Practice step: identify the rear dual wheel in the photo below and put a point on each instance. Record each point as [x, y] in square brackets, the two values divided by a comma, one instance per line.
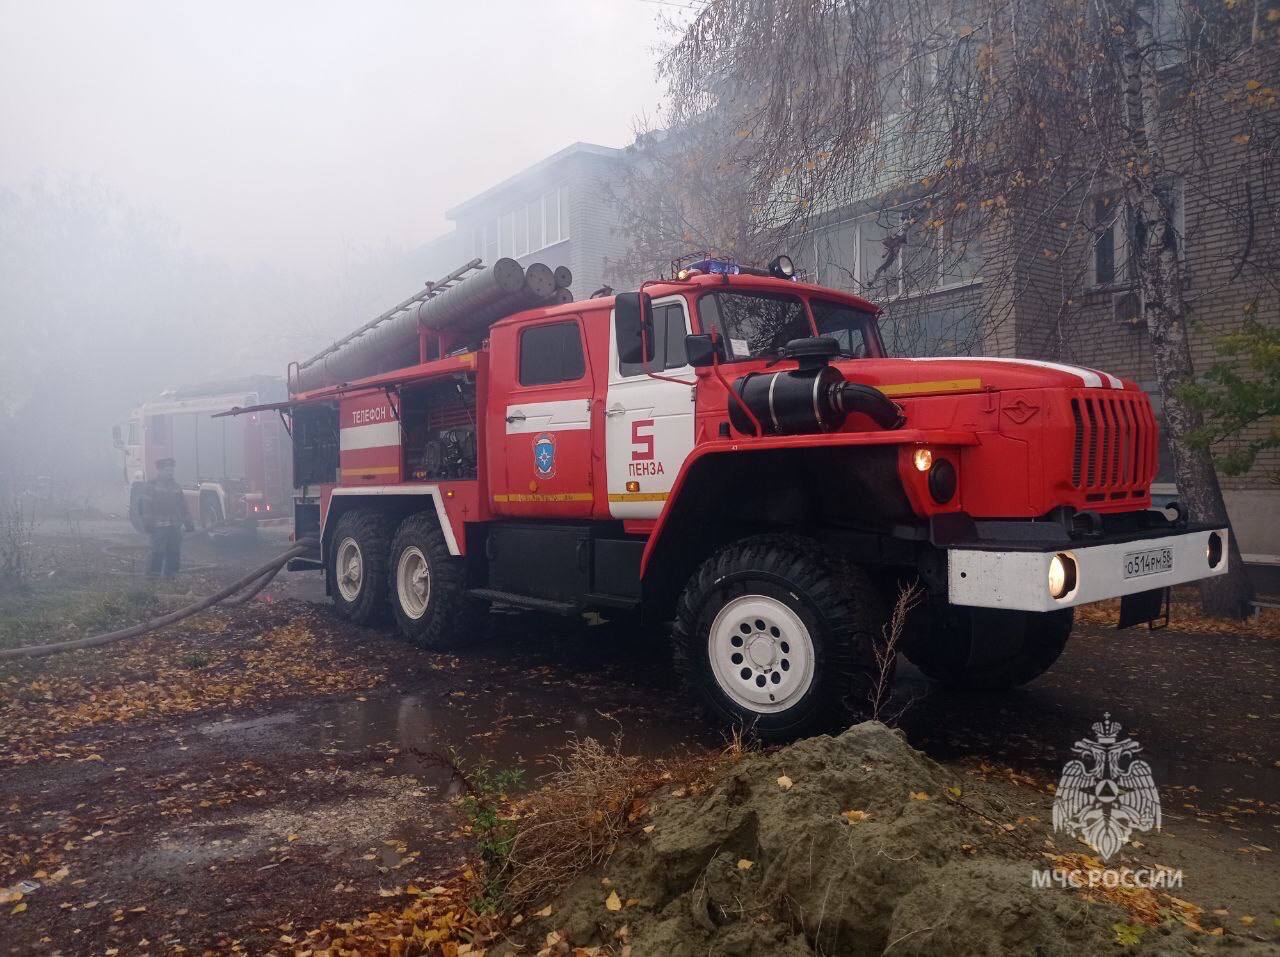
[428, 589]
[407, 569]
[358, 566]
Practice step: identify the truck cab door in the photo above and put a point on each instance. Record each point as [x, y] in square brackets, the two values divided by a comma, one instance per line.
[546, 425]
[648, 421]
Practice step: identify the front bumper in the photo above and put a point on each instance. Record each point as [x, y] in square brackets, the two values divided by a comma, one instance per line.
[1018, 578]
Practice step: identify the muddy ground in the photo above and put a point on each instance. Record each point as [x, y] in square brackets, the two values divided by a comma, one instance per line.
[236, 781]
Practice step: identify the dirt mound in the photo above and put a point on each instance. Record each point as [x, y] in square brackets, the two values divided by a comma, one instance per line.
[847, 845]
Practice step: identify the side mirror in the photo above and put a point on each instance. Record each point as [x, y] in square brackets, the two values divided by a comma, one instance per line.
[702, 350]
[633, 323]
[116, 438]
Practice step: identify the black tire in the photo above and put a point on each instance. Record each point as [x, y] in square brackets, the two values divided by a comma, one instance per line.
[371, 533]
[838, 604]
[210, 512]
[985, 649]
[451, 619]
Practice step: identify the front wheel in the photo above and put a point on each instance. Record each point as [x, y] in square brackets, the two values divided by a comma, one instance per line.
[210, 512]
[985, 649]
[775, 634]
[428, 589]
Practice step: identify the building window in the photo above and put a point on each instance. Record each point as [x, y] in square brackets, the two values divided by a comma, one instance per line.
[877, 264]
[1108, 221]
[551, 214]
[534, 212]
[891, 254]
[507, 235]
[522, 230]
[490, 242]
[960, 261]
[526, 229]
[551, 353]
[906, 86]
[1119, 233]
[835, 256]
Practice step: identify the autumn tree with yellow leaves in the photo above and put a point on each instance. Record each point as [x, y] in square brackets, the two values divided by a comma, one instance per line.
[1036, 125]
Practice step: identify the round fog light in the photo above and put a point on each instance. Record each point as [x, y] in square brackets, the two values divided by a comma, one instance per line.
[1062, 575]
[1214, 551]
[922, 458]
[942, 481]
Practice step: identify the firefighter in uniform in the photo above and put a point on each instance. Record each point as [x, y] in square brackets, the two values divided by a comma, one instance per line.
[164, 517]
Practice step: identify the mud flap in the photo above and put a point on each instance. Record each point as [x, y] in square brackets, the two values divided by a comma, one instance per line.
[1150, 606]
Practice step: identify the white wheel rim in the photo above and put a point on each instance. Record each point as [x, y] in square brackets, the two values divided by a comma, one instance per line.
[413, 582]
[761, 654]
[349, 568]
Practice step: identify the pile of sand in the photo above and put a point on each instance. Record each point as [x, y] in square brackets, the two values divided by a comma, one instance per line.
[860, 848]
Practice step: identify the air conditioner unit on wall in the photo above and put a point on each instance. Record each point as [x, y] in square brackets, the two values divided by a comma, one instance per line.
[1128, 307]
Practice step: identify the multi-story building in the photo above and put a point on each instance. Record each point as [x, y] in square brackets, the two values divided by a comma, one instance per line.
[557, 211]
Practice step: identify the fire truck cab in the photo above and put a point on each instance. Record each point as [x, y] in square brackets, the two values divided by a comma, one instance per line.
[733, 452]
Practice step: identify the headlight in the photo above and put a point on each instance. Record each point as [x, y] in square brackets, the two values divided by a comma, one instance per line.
[1062, 575]
[922, 458]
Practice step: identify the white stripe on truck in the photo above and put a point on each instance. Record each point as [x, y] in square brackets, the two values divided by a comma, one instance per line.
[376, 436]
[1089, 377]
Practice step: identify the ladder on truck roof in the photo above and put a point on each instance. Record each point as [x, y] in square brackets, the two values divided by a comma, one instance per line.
[432, 289]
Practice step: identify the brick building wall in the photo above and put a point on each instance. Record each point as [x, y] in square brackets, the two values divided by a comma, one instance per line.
[1066, 314]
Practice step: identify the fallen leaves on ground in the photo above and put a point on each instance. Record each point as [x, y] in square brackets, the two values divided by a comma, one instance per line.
[163, 677]
[1144, 905]
[436, 921]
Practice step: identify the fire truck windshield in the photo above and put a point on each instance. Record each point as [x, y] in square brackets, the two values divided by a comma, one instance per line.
[853, 328]
[754, 324]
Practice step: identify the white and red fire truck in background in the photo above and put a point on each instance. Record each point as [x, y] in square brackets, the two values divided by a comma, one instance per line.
[734, 452]
[235, 472]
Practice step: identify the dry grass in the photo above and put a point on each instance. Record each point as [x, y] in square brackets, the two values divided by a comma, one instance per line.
[886, 653]
[596, 796]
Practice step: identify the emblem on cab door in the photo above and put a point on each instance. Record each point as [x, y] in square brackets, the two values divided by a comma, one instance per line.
[544, 455]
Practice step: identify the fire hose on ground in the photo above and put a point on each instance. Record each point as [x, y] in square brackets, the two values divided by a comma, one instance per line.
[255, 581]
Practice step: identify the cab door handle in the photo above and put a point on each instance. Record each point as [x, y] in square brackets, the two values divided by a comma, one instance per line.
[516, 417]
[614, 410]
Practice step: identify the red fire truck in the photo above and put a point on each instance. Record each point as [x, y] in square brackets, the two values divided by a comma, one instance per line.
[733, 451]
[234, 472]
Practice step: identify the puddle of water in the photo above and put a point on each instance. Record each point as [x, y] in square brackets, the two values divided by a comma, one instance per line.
[479, 728]
[248, 726]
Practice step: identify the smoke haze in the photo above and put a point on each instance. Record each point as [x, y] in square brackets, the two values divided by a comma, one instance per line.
[190, 191]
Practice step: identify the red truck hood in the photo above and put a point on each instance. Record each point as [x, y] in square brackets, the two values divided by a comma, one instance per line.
[935, 376]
